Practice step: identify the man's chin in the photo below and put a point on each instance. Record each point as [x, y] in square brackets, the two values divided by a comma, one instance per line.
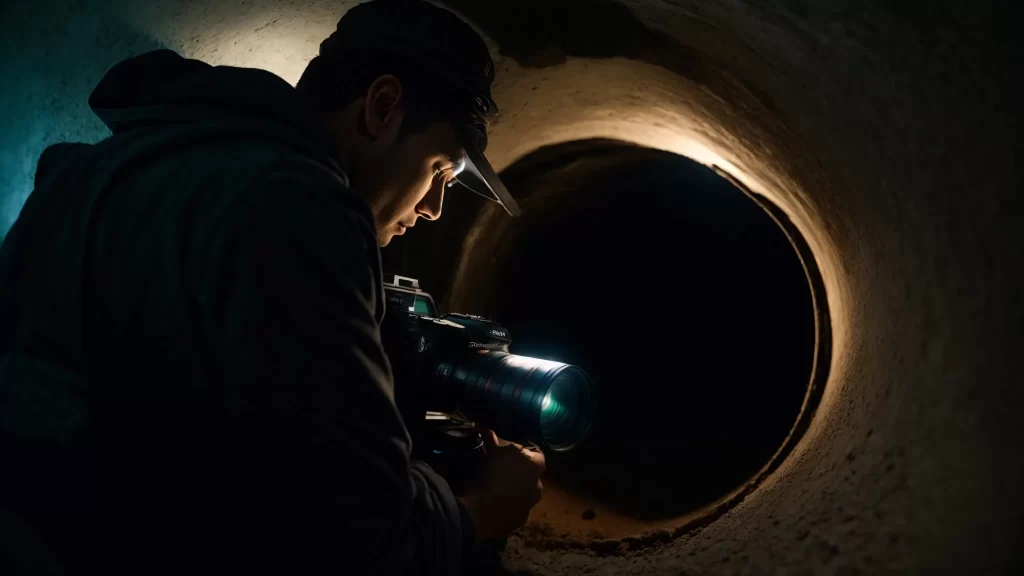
[384, 236]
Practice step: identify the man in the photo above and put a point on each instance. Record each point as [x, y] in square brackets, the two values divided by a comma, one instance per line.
[191, 374]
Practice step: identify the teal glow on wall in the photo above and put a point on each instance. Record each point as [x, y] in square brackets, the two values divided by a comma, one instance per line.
[52, 53]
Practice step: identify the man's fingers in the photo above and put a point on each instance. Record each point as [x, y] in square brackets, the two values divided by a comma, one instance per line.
[537, 457]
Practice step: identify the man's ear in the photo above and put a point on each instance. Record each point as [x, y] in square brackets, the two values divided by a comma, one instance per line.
[385, 107]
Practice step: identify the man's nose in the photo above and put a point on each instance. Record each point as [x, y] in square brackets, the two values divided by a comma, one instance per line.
[430, 207]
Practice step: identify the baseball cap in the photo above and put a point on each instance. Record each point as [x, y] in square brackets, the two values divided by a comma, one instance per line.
[448, 48]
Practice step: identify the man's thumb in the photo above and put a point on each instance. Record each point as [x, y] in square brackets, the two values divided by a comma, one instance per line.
[490, 438]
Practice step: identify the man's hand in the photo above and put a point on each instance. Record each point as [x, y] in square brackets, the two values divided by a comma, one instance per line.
[509, 488]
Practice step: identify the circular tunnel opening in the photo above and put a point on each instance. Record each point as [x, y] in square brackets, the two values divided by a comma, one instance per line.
[684, 300]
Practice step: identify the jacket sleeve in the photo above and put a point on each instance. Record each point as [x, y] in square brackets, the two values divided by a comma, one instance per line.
[296, 286]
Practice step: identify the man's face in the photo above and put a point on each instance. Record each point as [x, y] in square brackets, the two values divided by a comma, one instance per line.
[410, 177]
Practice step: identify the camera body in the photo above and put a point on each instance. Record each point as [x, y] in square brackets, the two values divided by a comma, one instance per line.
[413, 335]
[452, 331]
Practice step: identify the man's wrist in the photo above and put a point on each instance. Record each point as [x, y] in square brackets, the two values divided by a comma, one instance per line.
[470, 530]
[469, 537]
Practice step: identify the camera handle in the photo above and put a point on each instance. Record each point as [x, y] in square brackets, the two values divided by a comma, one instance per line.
[453, 448]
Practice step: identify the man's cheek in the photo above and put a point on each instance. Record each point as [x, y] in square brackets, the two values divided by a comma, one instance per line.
[414, 199]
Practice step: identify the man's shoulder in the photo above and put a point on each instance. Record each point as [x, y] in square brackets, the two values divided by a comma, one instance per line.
[313, 199]
[301, 178]
[302, 222]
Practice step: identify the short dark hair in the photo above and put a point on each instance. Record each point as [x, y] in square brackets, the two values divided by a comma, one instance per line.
[330, 83]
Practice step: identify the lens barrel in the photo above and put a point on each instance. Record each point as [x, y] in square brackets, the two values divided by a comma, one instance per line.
[523, 399]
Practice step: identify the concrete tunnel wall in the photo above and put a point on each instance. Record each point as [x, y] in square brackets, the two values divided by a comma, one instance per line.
[885, 133]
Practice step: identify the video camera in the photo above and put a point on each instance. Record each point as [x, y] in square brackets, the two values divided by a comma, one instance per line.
[454, 372]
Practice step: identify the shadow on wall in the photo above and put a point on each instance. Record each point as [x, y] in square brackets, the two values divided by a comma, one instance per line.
[541, 34]
[53, 54]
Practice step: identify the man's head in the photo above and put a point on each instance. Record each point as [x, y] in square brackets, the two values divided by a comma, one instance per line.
[404, 88]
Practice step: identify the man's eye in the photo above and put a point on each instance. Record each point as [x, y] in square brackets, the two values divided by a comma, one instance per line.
[446, 176]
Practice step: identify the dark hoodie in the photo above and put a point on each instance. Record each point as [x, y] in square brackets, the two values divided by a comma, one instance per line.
[191, 374]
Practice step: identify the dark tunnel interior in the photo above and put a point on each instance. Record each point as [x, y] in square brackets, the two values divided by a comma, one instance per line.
[701, 378]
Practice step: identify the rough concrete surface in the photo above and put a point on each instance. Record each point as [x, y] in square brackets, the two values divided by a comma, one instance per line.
[884, 130]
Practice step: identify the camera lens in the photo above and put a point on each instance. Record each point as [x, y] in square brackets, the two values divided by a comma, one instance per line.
[523, 399]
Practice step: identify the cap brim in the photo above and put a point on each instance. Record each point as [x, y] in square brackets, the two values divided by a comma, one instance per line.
[479, 178]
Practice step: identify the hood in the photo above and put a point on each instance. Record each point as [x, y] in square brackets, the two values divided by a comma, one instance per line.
[162, 87]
